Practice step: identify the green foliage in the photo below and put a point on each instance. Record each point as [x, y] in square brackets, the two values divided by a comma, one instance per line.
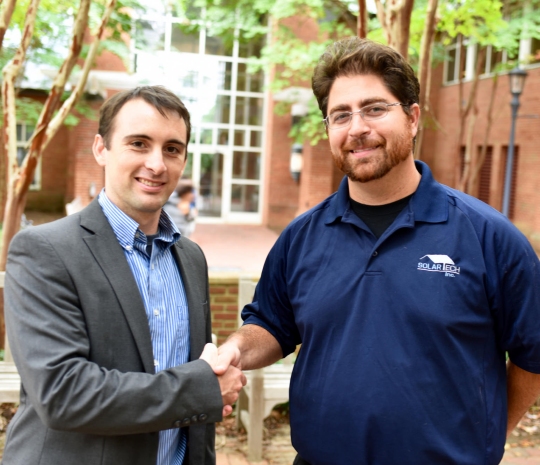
[479, 20]
[312, 127]
[54, 26]
[29, 109]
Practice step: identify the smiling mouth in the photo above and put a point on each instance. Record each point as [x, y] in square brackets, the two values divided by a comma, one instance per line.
[150, 183]
[363, 150]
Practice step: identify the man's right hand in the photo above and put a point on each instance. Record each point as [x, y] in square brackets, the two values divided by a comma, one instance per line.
[230, 378]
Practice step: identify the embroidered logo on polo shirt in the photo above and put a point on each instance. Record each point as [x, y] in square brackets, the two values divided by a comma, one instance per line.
[439, 263]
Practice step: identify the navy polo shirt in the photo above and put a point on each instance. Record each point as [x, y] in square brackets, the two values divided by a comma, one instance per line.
[403, 337]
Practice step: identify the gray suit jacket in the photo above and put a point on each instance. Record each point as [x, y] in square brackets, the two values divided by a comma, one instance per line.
[81, 342]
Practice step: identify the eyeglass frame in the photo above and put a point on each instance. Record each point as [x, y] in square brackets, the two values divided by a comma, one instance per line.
[360, 112]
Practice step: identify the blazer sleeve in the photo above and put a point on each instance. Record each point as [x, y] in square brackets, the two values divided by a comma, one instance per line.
[52, 350]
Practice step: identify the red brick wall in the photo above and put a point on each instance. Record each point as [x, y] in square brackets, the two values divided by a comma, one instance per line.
[317, 175]
[51, 196]
[443, 145]
[281, 191]
[224, 304]
[83, 169]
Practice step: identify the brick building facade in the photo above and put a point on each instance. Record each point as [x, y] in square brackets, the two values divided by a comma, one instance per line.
[441, 146]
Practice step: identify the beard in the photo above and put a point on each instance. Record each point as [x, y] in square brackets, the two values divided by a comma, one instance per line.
[377, 165]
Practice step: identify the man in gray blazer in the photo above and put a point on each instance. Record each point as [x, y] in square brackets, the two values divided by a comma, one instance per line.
[107, 312]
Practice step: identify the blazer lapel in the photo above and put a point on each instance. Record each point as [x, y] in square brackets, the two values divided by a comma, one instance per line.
[102, 243]
[196, 296]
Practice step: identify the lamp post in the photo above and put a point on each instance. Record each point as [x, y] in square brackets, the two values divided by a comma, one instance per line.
[517, 81]
[298, 111]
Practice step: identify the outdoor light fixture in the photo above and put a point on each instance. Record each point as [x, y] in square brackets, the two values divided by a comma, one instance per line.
[92, 190]
[299, 98]
[296, 161]
[298, 111]
[517, 82]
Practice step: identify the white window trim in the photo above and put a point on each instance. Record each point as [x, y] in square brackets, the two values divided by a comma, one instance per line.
[36, 182]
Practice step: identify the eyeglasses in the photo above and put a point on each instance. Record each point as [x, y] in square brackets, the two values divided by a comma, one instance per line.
[342, 119]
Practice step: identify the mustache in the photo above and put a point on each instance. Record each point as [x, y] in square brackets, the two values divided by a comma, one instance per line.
[359, 143]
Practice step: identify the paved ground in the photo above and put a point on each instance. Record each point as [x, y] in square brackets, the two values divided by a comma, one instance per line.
[234, 247]
[278, 451]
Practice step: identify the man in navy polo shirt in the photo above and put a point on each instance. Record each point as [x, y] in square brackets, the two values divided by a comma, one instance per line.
[405, 294]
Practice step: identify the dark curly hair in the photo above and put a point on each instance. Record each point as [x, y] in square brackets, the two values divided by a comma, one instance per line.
[353, 56]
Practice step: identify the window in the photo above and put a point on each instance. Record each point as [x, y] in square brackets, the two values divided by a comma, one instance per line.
[24, 133]
[494, 60]
[456, 63]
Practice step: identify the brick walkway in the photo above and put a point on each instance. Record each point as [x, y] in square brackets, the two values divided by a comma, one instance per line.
[522, 456]
[234, 247]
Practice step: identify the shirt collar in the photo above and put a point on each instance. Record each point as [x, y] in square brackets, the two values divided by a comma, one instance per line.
[127, 229]
[429, 203]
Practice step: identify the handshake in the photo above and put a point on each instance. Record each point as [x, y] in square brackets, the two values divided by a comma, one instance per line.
[226, 365]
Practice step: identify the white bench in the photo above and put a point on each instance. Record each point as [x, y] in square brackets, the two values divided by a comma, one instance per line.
[266, 387]
[10, 381]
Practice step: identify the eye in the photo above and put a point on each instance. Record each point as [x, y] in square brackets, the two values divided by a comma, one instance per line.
[173, 150]
[340, 118]
[139, 144]
[377, 109]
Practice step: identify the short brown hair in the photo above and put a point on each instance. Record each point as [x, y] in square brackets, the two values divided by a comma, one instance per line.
[353, 56]
[159, 97]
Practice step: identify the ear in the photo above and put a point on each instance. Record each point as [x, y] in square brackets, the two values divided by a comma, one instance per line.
[99, 150]
[414, 117]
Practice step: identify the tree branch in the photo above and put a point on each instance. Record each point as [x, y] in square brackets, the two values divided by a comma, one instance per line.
[362, 19]
[381, 14]
[426, 47]
[5, 17]
[55, 95]
[78, 91]
[9, 130]
[10, 73]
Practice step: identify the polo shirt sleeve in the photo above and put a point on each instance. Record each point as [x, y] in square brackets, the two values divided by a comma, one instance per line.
[516, 297]
[271, 307]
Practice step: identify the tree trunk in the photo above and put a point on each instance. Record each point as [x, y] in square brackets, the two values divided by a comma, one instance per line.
[424, 70]
[47, 126]
[473, 181]
[395, 19]
[68, 105]
[469, 158]
[53, 100]
[362, 19]
[462, 178]
[6, 12]
[9, 131]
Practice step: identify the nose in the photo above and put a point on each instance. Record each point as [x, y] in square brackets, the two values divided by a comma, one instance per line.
[154, 161]
[358, 126]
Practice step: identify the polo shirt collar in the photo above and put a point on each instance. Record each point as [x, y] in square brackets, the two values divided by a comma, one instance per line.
[127, 229]
[428, 204]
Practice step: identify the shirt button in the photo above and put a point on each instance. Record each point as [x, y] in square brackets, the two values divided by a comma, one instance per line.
[375, 253]
[156, 363]
[128, 248]
[156, 312]
[152, 266]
